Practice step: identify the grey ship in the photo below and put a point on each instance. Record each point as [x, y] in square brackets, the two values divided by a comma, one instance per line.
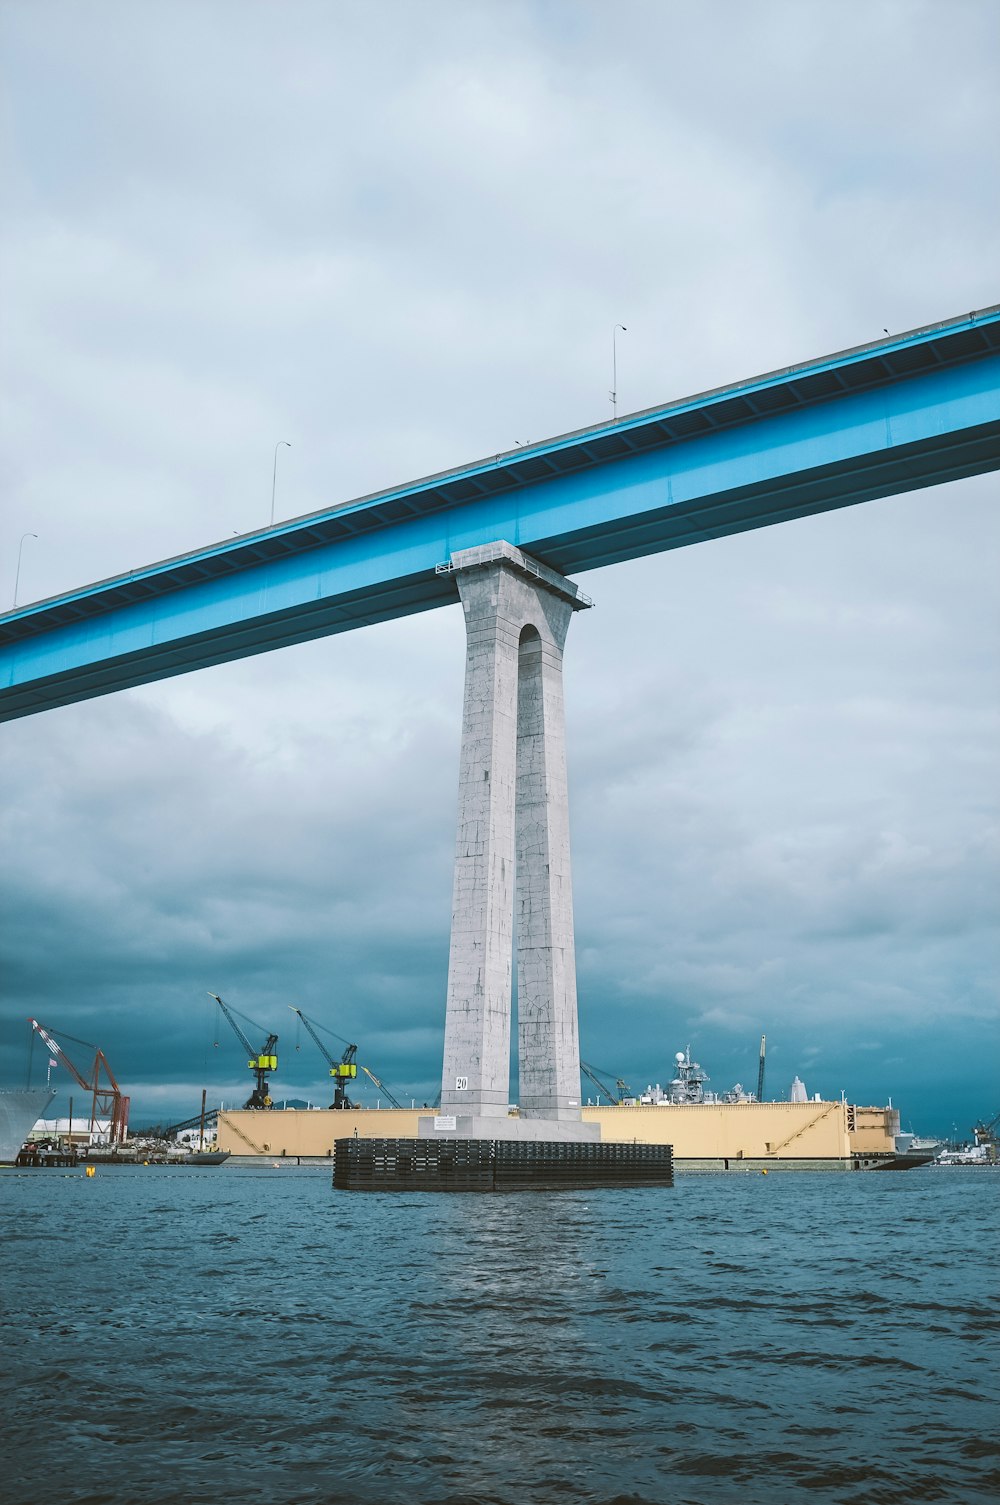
[20, 1110]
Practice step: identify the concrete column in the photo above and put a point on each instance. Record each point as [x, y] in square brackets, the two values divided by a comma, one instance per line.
[548, 1043]
[513, 820]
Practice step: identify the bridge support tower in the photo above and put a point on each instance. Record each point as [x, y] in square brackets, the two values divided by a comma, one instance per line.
[512, 861]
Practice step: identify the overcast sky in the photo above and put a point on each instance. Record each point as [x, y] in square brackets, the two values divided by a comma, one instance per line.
[398, 236]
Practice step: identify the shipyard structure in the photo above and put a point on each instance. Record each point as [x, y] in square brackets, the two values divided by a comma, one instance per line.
[734, 1137]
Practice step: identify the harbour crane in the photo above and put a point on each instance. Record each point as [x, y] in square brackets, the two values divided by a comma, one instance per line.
[343, 1071]
[622, 1088]
[260, 1063]
[985, 1134]
[381, 1087]
[106, 1100]
[347, 1059]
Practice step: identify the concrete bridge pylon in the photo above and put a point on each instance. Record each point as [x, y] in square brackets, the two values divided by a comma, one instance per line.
[512, 858]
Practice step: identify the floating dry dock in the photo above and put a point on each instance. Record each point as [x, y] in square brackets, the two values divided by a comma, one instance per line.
[704, 1136]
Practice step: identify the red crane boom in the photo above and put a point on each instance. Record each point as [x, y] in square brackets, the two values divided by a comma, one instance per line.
[107, 1099]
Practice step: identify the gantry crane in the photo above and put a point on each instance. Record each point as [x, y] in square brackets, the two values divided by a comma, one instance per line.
[343, 1071]
[260, 1063]
[622, 1089]
[107, 1101]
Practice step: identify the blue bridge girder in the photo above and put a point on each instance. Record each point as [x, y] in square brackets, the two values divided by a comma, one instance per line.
[905, 412]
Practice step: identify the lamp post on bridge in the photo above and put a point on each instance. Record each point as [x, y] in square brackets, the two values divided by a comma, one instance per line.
[17, 577]
[274, 472]
[614, 368]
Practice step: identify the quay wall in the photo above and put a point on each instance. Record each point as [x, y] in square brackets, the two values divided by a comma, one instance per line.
[711, 1133]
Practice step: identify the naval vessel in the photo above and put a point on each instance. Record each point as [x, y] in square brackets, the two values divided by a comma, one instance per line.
[20, 1110]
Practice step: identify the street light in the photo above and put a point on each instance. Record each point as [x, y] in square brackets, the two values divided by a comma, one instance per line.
[274, 472]
[20, 546]
[614, 367]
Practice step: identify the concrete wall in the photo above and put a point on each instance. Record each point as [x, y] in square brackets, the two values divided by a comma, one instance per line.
[793, 1131]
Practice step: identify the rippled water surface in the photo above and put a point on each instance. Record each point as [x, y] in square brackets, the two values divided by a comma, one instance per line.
[248, 1334]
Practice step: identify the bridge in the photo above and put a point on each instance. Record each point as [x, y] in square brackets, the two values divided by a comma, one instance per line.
[905, 412]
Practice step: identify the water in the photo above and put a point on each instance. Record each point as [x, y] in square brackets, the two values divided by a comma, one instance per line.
[248, 1334]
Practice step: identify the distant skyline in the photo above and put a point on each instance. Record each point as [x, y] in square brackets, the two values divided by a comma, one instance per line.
[396, 238]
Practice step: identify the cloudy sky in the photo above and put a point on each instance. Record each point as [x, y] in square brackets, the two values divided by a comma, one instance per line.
[398, 235]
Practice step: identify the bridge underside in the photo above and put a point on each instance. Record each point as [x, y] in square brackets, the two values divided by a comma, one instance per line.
[907, 413]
